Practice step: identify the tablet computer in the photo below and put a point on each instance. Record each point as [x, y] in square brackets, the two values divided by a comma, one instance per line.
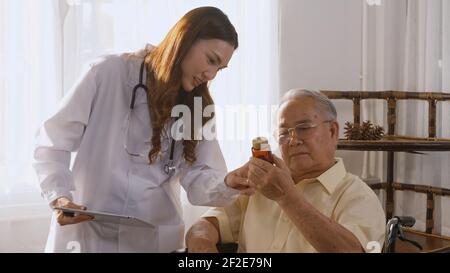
[107, 217]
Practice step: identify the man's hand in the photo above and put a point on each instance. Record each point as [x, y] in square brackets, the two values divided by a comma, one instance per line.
[69, 220]
[238, 179]
[274, 182]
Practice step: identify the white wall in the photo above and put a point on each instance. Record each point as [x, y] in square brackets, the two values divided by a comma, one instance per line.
[321, 48]
[24, 228]
[320, 44]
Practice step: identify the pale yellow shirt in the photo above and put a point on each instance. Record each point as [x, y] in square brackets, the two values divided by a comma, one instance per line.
[258, 224]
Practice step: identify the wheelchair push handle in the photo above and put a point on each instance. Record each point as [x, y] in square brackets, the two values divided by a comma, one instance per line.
[406, 221]
[394, 231]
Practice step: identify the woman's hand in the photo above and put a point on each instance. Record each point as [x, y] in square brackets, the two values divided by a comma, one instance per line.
[238, 179]
[63, 219]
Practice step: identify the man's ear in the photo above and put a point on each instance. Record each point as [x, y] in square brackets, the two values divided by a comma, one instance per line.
[334, 129]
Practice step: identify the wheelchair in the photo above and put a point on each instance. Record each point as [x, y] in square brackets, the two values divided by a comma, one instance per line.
[430, 243]
[394, 231]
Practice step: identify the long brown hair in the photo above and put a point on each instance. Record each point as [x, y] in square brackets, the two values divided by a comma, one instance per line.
[164, 72]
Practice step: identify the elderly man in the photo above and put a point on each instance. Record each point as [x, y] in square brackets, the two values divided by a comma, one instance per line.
[306, 202]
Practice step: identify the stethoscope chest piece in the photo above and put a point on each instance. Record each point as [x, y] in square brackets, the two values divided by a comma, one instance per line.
[169, 168]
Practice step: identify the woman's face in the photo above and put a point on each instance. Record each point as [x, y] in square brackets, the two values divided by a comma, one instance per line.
[203, 60]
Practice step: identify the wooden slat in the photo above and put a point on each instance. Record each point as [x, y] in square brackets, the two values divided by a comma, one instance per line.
[399, 95]
[431, 118]
[392, 106]
[378, 186]
[393, 145]
[389, 186]
[421, 189]
[430, 213]
[356, 111]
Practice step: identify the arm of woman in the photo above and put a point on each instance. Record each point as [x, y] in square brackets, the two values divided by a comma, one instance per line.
[59, 136]
[207, 182]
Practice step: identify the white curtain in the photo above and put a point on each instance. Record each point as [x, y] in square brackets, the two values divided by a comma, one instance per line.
[406, 46]
[30, 84]
[45, 44]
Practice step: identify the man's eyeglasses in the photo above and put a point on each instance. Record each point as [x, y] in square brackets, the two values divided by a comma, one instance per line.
[300, 131]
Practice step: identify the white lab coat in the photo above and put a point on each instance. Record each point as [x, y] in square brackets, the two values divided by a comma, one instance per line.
[91, 121]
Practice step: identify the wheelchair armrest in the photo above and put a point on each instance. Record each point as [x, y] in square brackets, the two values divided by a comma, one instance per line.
[227, 248]
[222, 248]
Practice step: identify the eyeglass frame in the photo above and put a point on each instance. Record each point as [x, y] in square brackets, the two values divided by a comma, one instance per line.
[292, 130]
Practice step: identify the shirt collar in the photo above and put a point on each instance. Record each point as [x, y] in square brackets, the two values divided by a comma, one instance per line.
[331, 178]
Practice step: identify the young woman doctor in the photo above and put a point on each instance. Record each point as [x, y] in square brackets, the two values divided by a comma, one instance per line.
[118, 119]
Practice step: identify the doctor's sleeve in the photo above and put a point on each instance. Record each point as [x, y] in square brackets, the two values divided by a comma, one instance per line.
[60, 135]
[204, 180]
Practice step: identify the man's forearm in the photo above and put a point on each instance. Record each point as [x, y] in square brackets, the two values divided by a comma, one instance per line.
[321, 232]
[204, 232]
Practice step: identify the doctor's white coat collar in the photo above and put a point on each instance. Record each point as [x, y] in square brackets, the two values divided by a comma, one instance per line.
[134, 65]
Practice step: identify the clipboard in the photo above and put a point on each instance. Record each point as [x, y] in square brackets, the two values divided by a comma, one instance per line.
[107, 217]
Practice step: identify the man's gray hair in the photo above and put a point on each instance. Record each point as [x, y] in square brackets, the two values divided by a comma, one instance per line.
[323, 103]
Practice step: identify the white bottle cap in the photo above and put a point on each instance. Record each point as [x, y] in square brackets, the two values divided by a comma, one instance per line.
[261, 143]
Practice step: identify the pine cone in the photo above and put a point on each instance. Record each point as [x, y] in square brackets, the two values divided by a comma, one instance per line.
[352, 132]
[365, 131]
[348, 130]
[378, 132]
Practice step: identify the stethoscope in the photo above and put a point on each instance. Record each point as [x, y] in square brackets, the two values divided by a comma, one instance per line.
[169, 167]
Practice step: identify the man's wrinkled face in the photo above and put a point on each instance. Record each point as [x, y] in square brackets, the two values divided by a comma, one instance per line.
[312, 145]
